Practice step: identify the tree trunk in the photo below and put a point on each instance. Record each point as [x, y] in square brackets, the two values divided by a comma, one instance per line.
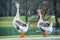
[56, 16]
[26, 12]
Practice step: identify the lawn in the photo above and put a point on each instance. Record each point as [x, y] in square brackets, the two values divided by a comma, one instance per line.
[7, 29]
[29, 36]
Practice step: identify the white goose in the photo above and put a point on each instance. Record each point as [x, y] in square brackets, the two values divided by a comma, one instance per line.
[19, 25]
[44, 26]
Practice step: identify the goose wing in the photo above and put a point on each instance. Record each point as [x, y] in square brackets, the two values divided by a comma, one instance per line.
[21, 23]
[43, 24]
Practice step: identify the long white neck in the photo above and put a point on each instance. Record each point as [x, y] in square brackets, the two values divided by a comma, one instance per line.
[41, 18]
[17, 13]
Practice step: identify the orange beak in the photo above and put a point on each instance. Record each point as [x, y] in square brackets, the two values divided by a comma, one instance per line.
[44, 33]
[22, 34]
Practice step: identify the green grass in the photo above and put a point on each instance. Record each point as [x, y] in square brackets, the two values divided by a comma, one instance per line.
[29, 36]
[26, 36]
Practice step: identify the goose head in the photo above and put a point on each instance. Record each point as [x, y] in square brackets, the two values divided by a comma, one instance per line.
[17, 4]
[40, 13]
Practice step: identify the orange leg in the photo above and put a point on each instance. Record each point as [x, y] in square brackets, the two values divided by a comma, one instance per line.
[21, 34]
[44, 33]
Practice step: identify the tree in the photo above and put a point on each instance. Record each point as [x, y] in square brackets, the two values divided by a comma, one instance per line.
[56, 18]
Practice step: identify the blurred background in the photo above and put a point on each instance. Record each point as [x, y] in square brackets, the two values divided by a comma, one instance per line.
[28, 13]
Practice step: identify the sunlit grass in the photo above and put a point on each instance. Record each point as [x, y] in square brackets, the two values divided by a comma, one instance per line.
[29, 36]
[59, 20]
